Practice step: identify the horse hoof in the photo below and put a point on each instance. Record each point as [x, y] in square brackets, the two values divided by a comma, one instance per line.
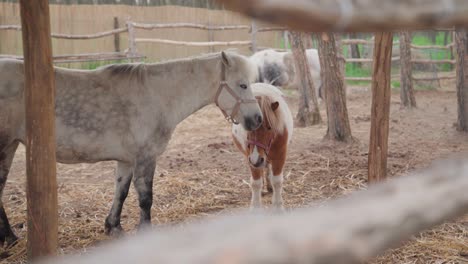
[8, 241]
[143, 227]
[278, 210]
[116, 231]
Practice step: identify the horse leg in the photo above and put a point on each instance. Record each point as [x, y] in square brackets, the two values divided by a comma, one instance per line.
[6, 159]
[143, 174]
[277, 184]
[268, 179]
[256, 184]
[123, 178]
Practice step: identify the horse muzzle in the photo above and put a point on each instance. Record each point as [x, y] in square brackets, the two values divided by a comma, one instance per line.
[258, 163]
[252, 123]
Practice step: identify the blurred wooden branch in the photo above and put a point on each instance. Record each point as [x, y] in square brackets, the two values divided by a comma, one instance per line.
[355, 15]
[348, 230]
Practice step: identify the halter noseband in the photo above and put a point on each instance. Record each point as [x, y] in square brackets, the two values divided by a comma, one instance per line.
[223, 85]
[266, 148]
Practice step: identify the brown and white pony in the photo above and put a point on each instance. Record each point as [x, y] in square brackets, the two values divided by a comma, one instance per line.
[266, 148]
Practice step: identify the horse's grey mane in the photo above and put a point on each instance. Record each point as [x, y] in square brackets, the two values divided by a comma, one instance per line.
[139, 71]
[129, 70]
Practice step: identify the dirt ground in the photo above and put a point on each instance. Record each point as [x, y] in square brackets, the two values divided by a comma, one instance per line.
[202, 174]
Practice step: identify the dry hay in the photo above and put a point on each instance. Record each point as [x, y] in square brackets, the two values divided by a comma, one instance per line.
[202, 175]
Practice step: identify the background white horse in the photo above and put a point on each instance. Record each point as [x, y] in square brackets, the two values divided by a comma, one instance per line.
[126, 113]
[277, 68]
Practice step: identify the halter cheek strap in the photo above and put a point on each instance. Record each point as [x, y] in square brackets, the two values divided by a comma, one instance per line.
[223, 85]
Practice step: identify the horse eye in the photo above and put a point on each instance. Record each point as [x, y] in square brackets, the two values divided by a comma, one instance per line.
[243, 86]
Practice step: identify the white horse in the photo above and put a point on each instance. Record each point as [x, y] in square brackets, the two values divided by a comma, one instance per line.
[126, 113]
[277, 68]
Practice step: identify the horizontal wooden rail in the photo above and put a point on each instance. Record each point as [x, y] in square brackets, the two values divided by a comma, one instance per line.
[367, 60]
[68, 36]
[266, 29]
[355, 16]
[90, 36]
[148, 26]
[448, 77]
[84, 57]
[397, 77]
[420, 61]
[370, 42]
[10, 27]
[348, 230]
[195, 44]
[448, 46]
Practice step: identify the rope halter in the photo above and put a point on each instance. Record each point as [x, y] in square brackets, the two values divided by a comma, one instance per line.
[225, 86]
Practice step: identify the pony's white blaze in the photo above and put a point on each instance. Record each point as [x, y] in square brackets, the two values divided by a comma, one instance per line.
[254, 157]
[281, 122]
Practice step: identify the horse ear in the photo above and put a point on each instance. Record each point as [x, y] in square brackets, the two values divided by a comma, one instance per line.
[226, 59]
[274, 106]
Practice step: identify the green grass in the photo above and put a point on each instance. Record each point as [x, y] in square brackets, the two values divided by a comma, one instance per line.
[423, 40]
[396, 84]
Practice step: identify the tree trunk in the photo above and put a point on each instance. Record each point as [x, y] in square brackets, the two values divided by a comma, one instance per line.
[340, 56]
[380, 109]
[461, 38]
[406, 71]
[308, 41]
[339, 128]
[308, 114]
[39, 96]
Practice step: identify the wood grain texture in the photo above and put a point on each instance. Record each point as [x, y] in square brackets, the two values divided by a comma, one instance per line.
[339, 128]
[461, 38]
[406, 71]
[380, 109]
[308, 114]
[40, 129]
[355, 16]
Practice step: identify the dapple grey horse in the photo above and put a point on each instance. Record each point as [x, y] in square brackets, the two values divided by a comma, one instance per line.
[126, 113]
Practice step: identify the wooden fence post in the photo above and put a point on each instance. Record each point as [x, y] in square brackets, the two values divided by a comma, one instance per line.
[40, 129]
[116, 36]
[461, 43]
[253, 35]
[406, 71]
[132, 50]
[380, 109]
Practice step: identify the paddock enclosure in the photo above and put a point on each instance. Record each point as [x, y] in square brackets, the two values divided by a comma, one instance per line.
[201, 175]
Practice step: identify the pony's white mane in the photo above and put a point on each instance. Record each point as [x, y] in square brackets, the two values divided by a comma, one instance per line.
[278, 119]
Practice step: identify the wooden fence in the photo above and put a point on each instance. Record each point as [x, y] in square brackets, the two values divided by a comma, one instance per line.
[397, 58]
[131, 53]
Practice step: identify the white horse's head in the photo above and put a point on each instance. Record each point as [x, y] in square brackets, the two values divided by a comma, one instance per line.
[235, 97]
